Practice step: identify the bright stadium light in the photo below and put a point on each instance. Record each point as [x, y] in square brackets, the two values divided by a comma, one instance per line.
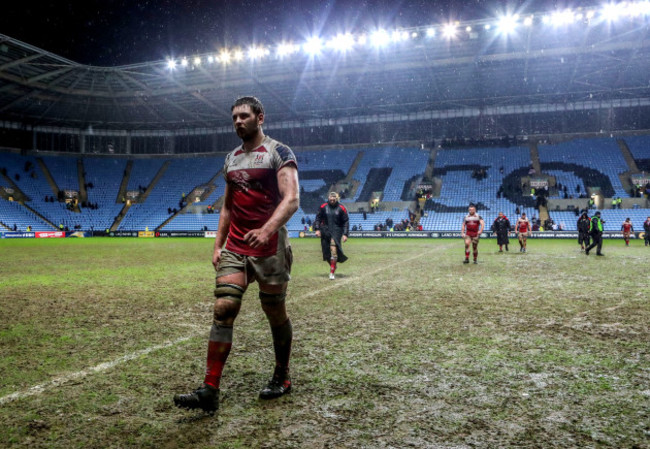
[210, 59]
[590, 14]
[171, 64]
[380, 38]
[362, 40]
[507, 24]
[184, 62]
[528, 21]
[341, 42]
[487, 26]
[611, 12]
[286, 48]
[431, 32]
[468, 29]
[560, 18]
[238, 55]
[224, 56]
[449, 30]
[313, 46]
[197, 60]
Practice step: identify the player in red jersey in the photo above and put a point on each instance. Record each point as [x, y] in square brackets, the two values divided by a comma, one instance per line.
[627, 229]
[261, 195]
[471, 231]
[523, 231]
[332, 226]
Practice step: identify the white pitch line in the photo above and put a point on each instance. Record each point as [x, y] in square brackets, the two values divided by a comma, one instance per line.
[62, 380]
[66, 378]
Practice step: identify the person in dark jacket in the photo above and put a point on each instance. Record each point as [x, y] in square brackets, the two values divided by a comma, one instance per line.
[596, 233]
[646, 228]
[583, 230]
[332, 225]
[501, 227]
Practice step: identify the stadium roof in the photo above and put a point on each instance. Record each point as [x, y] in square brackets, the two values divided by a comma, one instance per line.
[585, 63]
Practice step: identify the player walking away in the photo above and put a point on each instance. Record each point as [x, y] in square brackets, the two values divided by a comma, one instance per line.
[646, 228]
[471, 231]
[523, 231]
[332, 226]
[583, 230]
[261, 195]
[501, 227]
[627, 229]
[596, 233]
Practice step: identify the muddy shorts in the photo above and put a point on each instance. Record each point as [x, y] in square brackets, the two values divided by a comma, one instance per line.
[472, 238]
[274, 270]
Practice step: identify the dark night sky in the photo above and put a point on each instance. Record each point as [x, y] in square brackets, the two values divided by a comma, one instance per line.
[117, 32]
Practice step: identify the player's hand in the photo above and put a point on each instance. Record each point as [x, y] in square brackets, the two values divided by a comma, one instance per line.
[216, 258]
[462, 235]
[256, 238]
[345, 238]
[317, 233]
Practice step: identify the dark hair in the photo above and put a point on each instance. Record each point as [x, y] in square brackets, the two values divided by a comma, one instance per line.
[255, 104]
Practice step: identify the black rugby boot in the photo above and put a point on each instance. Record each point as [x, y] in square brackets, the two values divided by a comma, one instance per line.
[205, 397]
[279, 385]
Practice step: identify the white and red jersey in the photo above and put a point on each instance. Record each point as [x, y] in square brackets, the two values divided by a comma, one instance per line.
[523, 225]
[254, 194]
[626, 227]
[472, 224]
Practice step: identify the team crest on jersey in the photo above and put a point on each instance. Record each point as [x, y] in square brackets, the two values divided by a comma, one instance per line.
[258, 160]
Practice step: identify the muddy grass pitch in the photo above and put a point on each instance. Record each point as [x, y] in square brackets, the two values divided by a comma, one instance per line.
[408, 347]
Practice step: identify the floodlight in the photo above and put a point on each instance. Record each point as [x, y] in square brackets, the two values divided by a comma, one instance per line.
[362, 40]
[562, 17]
[449, 30]
[431, 32]
[313, 46]
[238, 55]
[528, 21]
[414, 34]
[507, 24]
[197, 60]
[285, 49]
[210, 59]
[224, 56]
[380, 38]
[468, 29]
[590, 14]
[184, 62]
[611, 12]
[342, 42]
[171, 64]
[256, 52]
[487, 26]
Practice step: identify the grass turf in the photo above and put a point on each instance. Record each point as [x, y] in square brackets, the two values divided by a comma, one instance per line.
[407, 348]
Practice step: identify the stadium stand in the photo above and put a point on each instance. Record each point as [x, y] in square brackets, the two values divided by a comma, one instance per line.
[180, 178]
[640, 148]
[459, 188]
[392, 168]
[579, 156]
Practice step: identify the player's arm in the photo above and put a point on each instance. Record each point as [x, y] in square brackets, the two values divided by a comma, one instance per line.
[482, 226]
[318, 221]
[289, 192]
[224, 226]
[462, 230]
[346, 223]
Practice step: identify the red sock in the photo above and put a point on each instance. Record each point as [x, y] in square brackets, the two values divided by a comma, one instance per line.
[218, 350]
[467, 254]
[332, 266]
